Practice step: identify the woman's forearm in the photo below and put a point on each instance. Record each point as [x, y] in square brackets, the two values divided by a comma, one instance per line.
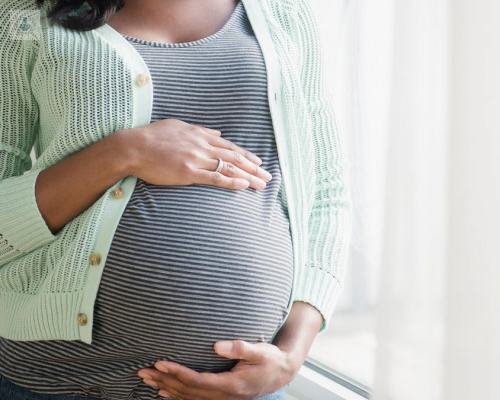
[298, 332]
[67, 188]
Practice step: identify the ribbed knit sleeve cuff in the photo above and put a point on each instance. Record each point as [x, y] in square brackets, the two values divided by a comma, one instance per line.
[21, 223]
[320, 289]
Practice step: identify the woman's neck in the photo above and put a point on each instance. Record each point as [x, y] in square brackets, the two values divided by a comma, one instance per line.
[172, 21]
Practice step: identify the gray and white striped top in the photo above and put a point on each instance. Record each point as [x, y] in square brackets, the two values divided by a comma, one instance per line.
[188, 265]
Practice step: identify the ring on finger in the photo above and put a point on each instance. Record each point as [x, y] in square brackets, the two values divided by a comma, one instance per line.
[220, 165]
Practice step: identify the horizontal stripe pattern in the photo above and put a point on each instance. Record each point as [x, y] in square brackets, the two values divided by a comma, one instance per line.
[188, 265]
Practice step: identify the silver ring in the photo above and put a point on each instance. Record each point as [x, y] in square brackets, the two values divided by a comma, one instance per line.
[221, 164]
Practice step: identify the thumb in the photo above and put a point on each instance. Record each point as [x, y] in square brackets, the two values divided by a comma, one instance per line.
[239, 349]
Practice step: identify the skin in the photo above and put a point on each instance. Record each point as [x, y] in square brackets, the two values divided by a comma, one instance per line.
[263, 369]
[172, 21]
[152, 152]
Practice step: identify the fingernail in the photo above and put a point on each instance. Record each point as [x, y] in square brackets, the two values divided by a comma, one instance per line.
[225, 345]
[161, 366]
[261, 184]
[150, 382]
[163, 393]
[144, 375]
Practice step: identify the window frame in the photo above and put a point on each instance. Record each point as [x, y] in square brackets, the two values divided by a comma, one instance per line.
[316, 381]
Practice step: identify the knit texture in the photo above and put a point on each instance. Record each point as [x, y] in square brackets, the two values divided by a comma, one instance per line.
[70, 89]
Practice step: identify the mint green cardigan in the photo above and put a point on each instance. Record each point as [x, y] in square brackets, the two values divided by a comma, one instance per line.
[66, 90]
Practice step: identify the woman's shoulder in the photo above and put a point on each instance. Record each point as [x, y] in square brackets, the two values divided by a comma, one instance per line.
[294, 16]
[19, 24]
[8, 7]
[13, 11]
[296, 20]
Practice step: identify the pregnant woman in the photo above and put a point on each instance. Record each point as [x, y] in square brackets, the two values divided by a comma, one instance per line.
[161, 220]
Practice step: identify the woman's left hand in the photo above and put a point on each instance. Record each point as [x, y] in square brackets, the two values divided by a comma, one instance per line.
[263, 369]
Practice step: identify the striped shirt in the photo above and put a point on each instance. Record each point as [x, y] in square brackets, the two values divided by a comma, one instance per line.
[188, 265]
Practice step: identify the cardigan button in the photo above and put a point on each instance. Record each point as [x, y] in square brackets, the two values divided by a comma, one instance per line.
[118, 192]
[142, 79]
[82, 319]
[95, 259]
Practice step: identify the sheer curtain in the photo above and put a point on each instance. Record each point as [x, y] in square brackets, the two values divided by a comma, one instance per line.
[412, 280]
[417, 91]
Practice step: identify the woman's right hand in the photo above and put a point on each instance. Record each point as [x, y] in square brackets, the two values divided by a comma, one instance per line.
[174, 152]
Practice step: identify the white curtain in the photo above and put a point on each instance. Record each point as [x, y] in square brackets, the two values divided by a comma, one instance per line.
[410, 311]
[418, 98]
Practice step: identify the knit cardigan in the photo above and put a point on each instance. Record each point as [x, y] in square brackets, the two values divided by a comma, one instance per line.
[65, 89]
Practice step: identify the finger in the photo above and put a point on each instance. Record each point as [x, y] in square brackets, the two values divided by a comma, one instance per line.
[166, 384]
[178, 396]
[163, 382]
[174, 395]
[243, 350]
[241, 162]
[223, 143]
[231, 171]
[178, 389]
[168, 394]
[203, 177]
[209, 130]
[174, 372]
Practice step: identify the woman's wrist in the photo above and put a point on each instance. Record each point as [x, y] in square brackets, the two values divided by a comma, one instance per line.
[297, 334]
[125, 145]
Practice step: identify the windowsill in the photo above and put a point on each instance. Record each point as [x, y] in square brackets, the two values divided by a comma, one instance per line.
[340, 364]
[312, 384]
[348, 346]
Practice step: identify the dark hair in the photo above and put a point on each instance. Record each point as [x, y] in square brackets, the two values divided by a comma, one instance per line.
[67, 13]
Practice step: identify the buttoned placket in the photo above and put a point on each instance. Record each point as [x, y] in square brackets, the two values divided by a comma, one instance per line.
[118, 195]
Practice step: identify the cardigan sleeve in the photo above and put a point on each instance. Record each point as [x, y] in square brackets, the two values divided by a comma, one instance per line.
[330, 222]
[22, 227]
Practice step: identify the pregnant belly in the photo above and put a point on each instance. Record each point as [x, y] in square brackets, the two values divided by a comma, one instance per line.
[191, 268]
[183, 272]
